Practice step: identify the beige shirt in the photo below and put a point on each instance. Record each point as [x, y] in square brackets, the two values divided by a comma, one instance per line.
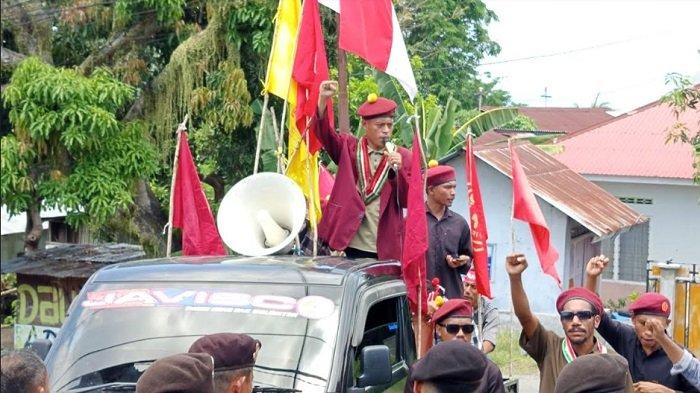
[366, 237]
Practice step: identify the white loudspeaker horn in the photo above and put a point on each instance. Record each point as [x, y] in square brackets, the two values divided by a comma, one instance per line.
[261, 215]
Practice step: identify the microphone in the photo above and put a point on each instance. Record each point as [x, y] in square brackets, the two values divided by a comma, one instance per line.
[390, 147]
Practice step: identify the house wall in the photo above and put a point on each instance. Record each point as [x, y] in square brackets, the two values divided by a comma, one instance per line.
[496, 191]
[674, 225]
[13, 244]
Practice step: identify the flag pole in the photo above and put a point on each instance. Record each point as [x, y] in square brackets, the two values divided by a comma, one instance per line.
[260, 131]
[510, 325]
[180, 128]
[312, 202]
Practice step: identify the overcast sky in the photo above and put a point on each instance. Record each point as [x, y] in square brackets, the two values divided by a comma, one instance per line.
[577, 49]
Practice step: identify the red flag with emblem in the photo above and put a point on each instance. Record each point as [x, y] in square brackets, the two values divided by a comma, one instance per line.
[477, 220]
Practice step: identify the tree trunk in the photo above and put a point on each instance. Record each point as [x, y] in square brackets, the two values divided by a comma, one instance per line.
[217, 183]
[34, 229]
[149, 219]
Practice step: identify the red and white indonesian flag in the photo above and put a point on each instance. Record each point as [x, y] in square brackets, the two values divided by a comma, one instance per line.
[370, 29]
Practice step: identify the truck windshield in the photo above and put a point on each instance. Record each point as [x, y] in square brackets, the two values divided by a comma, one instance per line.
[116, 330]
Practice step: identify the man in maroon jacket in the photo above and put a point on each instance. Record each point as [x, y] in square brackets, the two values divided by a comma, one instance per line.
[364, 214]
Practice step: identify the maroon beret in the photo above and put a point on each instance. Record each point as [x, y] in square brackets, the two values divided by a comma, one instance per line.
[377, 108]
[230, 350]
[181, 373]
[440, 174]
[598, 372]
[453, 308]
[651, 303]
[451, 363]
[583, 294]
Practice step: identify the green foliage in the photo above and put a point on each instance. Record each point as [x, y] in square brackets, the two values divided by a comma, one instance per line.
[684, 96]
[521, 122]
[167, 11]
[67, 147]
[450, 37]
[621, 303]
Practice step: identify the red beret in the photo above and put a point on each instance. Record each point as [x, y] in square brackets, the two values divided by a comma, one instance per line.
[184, 372]
[381, 107]
[651, 303]
[583, 294]
[453, 308]
[440, 174]
[230, 350]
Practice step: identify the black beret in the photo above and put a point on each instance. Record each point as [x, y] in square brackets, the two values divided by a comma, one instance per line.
[181, 373]
[451, 363]
[230, 351]
[600, 372]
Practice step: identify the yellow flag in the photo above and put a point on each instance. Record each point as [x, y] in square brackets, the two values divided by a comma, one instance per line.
[279, 67]
[302, 167]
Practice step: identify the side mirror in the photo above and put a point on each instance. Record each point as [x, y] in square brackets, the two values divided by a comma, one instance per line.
[375, 366]
[40, 346]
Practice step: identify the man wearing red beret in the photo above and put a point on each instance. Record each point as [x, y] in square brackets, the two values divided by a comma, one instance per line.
[453, 321]
[649, 363]
[579, 311]
[364, 215]
[449, 251]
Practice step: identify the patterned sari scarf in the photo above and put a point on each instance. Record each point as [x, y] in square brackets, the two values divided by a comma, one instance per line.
[370, 185]
[568, 350]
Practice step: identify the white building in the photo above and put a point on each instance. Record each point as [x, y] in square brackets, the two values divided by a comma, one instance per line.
[581, 216]
[628, 156]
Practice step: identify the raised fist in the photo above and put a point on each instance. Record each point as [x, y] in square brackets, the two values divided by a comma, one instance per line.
[596, 265]
[327, 89]
[516, 264]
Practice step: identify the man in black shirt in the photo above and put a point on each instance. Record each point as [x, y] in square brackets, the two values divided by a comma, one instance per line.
[449, 252]
[649, 364]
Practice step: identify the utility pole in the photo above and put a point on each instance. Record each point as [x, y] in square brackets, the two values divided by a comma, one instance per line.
[545, 96]
[480, 94]
[343, 104]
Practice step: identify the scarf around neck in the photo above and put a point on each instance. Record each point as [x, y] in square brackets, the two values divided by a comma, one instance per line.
[370, 184]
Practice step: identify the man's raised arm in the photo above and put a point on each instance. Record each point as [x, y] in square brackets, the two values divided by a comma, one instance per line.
[515, 266]
[594, 269]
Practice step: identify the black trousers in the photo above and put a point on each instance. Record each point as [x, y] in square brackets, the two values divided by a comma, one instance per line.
[354, 253]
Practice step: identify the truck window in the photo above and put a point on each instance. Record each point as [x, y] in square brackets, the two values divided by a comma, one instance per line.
[388, 323]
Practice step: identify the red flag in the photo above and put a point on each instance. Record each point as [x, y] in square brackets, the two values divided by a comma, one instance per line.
[415, 242]
[525, 208]
[191, 210]
[370, 29]
[310, 69]
[477, 218]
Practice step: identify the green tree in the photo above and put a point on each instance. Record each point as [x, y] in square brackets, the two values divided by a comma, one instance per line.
[683, 97]
[450, 37]
[67, 148]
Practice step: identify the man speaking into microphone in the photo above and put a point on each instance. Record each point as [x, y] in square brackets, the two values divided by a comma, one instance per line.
[364, 215]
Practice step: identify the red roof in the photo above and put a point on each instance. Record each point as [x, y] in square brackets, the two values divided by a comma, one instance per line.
[585, 202]
[565, 119]
[633, 144]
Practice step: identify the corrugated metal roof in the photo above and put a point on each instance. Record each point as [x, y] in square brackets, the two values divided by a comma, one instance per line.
[73, 260]
[565, 119]
[578, 198]
[633, 144]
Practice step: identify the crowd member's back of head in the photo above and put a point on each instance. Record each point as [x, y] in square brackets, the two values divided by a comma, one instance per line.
[234, 357]
[600, 372]
[23, 372]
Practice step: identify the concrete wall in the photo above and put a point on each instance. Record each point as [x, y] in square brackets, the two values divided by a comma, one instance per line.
[497, 194]
[674, 225]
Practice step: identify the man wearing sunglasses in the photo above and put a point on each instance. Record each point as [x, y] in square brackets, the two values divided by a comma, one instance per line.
[649, 362]
[579, 310]
[453, 322]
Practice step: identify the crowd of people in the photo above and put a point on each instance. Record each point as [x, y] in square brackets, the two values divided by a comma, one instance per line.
[363, 219]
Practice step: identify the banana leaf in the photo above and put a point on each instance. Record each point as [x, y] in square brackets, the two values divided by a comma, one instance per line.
[481, 123]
